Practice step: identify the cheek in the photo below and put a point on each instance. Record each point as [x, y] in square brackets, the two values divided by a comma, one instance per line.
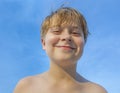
[80, 42]
[80, 47]
[51, 40]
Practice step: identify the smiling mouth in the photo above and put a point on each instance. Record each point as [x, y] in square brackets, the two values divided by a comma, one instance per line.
[65, 47]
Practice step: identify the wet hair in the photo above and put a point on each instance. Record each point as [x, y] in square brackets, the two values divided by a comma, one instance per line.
[64, 15]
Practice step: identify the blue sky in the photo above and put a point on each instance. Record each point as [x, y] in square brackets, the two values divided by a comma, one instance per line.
[21, 53]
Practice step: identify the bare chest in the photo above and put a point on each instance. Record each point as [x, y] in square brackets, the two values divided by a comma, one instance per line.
[44, 89]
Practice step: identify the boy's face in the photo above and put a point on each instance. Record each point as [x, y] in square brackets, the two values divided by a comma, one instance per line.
[64, 43]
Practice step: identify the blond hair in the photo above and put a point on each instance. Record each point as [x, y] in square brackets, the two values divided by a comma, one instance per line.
[64, 15]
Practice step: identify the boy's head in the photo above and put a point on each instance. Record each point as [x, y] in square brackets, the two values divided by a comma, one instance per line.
[64, 16]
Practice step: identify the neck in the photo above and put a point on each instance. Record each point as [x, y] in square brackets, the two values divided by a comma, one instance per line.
[63, 72]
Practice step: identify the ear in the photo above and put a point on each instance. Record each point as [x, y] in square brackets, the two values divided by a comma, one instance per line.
[43, 43]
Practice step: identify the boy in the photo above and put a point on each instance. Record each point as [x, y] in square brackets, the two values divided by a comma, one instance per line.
[63, 35]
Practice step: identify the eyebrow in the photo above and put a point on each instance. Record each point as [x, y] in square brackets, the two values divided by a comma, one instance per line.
[59, 27]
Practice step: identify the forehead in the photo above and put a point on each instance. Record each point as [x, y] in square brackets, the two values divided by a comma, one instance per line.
[57, 20]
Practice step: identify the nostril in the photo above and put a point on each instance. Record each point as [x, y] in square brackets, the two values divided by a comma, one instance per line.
[66, 39]
[70, 39]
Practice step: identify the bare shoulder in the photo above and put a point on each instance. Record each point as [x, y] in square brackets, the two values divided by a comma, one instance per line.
[28, 84]
[23, 85]
[95, 88]
[90, 87]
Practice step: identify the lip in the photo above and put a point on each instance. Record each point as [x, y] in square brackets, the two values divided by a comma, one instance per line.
[66, 47]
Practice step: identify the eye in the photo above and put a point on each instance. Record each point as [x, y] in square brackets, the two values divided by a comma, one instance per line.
[56, 30]
[76, 33]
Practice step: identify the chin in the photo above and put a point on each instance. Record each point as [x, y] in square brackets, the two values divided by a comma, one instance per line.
[65, 60]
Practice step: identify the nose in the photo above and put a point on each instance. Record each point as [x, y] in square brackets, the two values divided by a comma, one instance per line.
[66, 36]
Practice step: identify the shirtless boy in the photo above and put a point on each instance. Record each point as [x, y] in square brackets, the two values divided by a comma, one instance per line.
[63, 35]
